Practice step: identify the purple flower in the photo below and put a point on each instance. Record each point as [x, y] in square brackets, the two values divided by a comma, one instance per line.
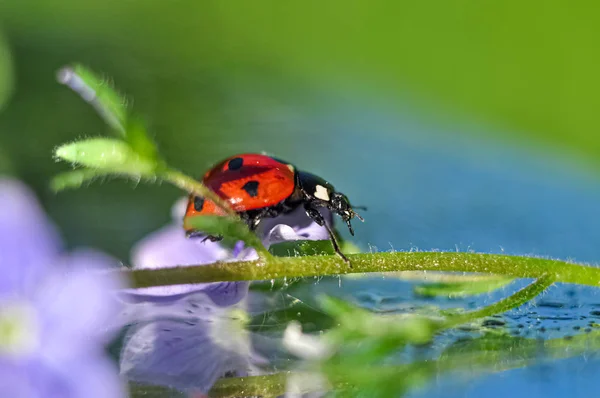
[188, 336]
[54, 308]
[189, 348]
[169, 247]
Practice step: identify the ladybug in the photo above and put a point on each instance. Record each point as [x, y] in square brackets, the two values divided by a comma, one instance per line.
[258, 186]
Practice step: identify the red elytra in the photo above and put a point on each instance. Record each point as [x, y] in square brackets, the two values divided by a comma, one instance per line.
[259, 186]
[247, 182]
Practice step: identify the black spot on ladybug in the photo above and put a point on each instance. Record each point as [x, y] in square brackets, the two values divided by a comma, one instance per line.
[198, 203]
[236, 163]
[251, 187]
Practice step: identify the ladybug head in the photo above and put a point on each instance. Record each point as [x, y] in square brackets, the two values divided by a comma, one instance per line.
[340, 205]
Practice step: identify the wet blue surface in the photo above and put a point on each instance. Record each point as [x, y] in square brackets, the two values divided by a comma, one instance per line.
[575, 377]
[439, 191]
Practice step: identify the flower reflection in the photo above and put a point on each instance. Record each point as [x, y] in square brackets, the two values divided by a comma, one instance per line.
[188, 336]
[191, 348]
[54, 308]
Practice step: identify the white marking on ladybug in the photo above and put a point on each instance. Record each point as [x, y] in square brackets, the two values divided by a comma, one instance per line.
[321, 193]
[289, 166]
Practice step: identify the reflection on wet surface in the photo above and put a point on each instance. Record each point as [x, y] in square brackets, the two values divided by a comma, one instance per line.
[435, 199]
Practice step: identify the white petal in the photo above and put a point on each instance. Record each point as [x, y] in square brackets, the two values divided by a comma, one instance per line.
[304, 345]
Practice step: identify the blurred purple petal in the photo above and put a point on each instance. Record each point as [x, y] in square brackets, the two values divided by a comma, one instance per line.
[190, 351]
[164, 353]
[28, 241]
[15, 380]
[169, 247]
[84, 297]
[98, 379]
[78, 379]
[221, 293]
[55, 305]
[179, 307]
[237, 249]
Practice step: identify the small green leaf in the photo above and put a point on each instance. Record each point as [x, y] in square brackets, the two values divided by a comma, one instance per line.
[338, 308]
[73, 179]
[98, 92]
[228, 227]
[462, 289]
[396, 329]
[111, 106]
[302, 248]
[108, 155]
[138, 139]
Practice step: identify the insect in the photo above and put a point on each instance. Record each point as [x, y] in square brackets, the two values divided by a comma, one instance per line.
[259, 186]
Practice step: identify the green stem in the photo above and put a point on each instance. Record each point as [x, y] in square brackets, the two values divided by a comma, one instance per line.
[254, 386]
[279, 267]
[516, 300]
[191, 185]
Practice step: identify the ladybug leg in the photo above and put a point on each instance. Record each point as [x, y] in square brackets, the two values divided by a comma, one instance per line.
[315, 215]
[318, 218]
[197, 234]
[213, 238]
[253, 219]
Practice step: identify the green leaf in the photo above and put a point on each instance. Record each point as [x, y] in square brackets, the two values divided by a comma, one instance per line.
[302, 248]
[228, 227]
[108, 155]
[98, 92]
[397, 329]
[138, 139]
[73, 179]
[519, 298]
[111, 106]
[462, 289]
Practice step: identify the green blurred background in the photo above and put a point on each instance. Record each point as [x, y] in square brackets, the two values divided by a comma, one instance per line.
[213, 78]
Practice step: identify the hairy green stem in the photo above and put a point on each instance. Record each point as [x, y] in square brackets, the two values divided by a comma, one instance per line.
[254, 386]
[279, 267]
[521, 297]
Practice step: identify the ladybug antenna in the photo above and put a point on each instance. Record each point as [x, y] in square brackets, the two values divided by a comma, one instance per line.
[360, 207]
[358, 216]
